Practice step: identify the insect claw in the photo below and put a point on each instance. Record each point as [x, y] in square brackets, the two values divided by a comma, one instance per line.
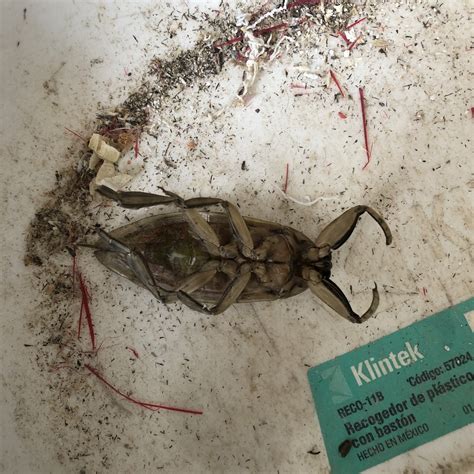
[341, 228]
[373, 306]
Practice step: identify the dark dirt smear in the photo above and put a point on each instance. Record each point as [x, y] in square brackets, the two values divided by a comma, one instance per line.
[168, 77]
[61, 222]
[165, 78]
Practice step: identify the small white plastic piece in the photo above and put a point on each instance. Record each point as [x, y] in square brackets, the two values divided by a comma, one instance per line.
[107, 170]
[94, 160]
[308, 202]
[104, 151]
[116, 182]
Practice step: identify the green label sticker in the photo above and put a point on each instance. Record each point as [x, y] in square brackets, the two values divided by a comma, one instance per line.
[401, 391]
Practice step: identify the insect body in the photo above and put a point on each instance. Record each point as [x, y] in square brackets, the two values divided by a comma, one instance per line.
[213, 260]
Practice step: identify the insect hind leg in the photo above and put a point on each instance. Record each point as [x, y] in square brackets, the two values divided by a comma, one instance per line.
[228, 298]
[328, 292]
[128, 262]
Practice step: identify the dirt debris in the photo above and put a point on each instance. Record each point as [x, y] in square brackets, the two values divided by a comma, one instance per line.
[62, 221]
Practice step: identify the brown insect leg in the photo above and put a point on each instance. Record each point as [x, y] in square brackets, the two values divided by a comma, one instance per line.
[135, 200]
[328, 292]
[331, 238]
[228, 298]
[340, 229]
[199, 279]
[239, 226]
[135, 263]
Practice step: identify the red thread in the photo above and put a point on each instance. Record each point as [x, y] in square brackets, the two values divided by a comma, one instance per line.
[230, 42]
[259, 32]
[334, 78]
[133, 351]
[354, 42]
[85, 305]
[344, 37]
[262, 31]
[342, 115]
[348, 27]
[269, 29]
[148, 406]
[364, 122]
[241, 58]
[75, 133]
[80, 320]
[135, 147]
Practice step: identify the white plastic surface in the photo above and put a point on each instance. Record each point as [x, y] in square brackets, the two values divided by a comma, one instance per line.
[247, 368]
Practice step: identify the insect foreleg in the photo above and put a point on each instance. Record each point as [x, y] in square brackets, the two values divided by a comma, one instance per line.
[340, 229]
